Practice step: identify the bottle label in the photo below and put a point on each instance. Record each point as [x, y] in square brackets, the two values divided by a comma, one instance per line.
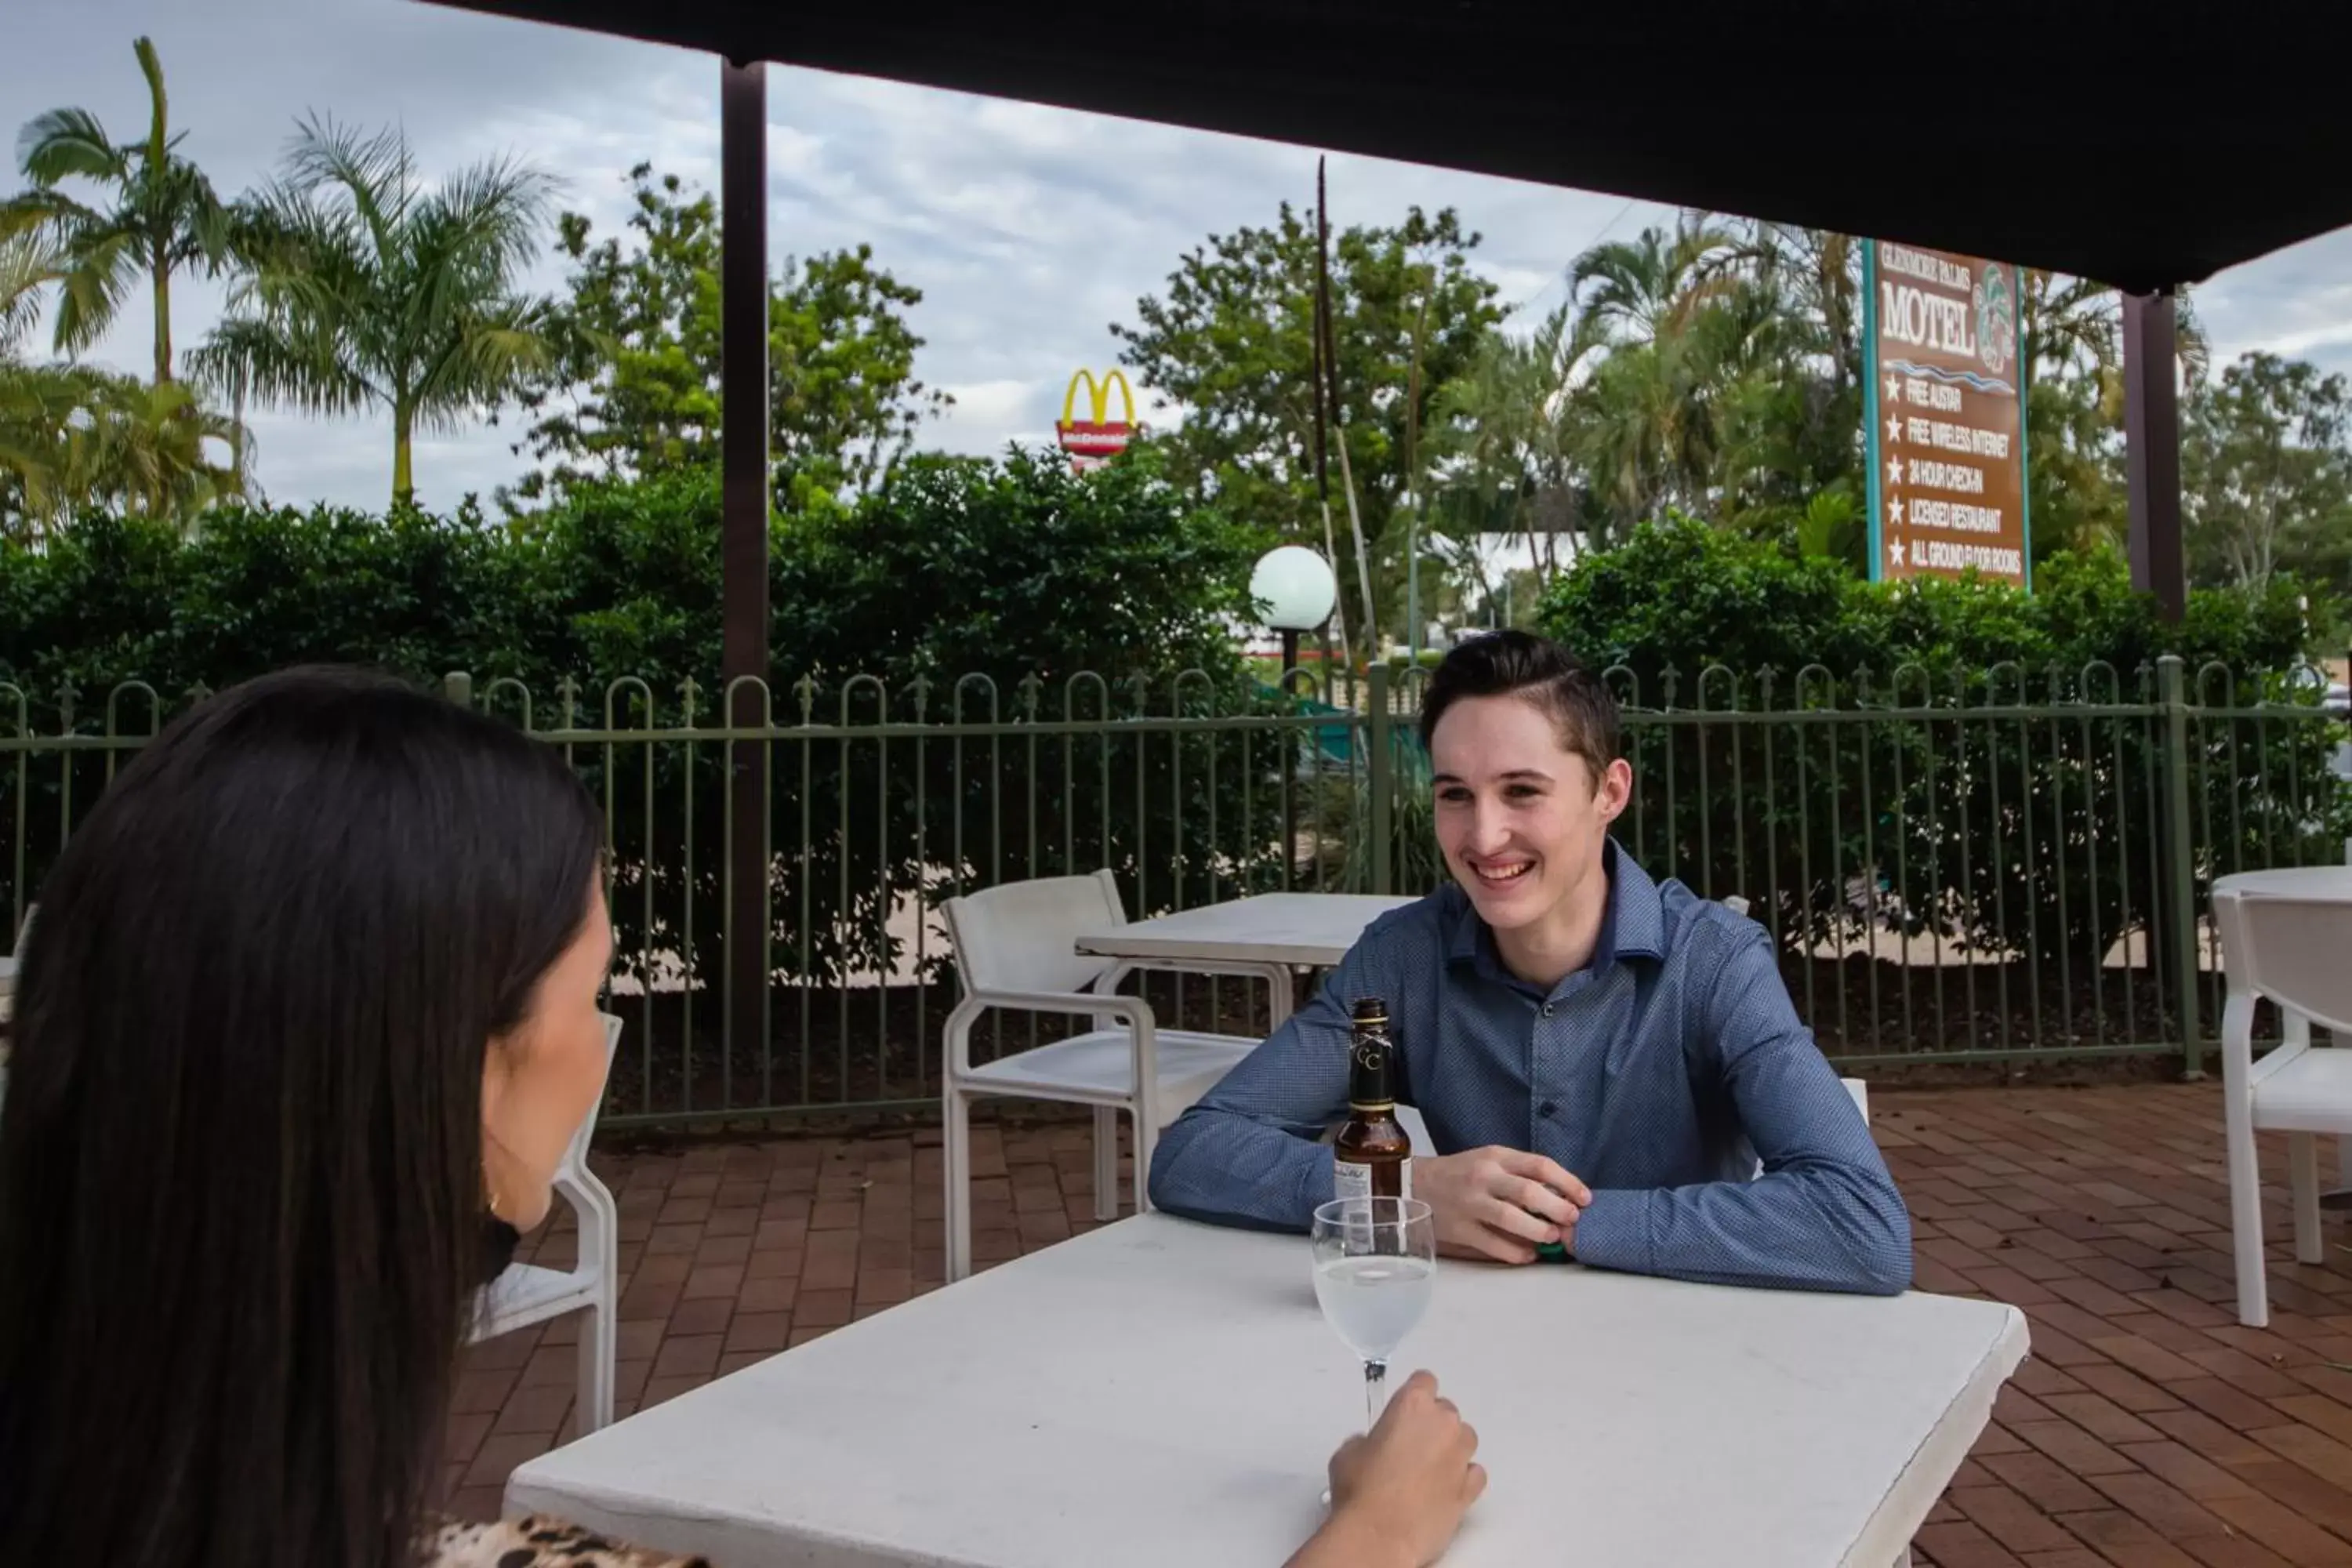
[1350, 1179]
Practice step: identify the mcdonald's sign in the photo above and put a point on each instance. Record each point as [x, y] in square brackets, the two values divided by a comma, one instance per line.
[1093, 440]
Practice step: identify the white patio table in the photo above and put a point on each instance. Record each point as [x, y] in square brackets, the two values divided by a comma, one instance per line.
[1269, 933]
[1160, 1392]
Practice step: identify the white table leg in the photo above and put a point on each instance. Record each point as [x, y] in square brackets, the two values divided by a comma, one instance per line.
[1279, 988]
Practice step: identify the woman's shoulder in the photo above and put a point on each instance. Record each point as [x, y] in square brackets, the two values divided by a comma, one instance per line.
[536, 1543]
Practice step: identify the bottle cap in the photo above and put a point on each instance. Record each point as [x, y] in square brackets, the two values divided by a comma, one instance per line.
[1371, 1010]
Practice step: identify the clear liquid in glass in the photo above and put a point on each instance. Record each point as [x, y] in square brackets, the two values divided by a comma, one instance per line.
[1374, 1301]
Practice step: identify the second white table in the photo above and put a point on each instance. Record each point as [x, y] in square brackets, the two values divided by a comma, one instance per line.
[1271, 933]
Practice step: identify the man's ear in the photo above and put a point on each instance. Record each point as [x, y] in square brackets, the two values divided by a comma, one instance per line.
[1615, 790]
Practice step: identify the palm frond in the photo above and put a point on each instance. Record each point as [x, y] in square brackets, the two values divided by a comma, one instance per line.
[68, 143]
[481, 364]
[29, 264]
[150, 65]
[102, 273]
[282, 366]
[375, 175]
[48, 212]
[492, 215]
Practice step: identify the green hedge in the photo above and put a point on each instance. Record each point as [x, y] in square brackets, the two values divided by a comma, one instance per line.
[982, 583]
[1681, 596]
[1980, 783]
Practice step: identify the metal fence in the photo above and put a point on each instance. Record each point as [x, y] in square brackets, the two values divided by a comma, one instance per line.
[1959, 865]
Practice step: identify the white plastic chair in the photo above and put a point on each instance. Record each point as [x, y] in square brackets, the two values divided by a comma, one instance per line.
[8, 962]
[2291, 949]
[526, 1294]
[8, 965]
[1016, 947]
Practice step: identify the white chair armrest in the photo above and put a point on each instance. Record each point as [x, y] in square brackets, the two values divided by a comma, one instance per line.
[2294, 1039]
[1132, 1011]
[1128, 1009]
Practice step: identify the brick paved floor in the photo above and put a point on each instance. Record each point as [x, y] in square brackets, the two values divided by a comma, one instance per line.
[2147, 1431]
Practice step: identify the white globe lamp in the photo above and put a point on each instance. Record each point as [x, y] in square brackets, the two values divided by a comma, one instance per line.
[1299, 592]
[1297, 586]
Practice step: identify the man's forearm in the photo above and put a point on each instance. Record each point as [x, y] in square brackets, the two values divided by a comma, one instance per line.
[1814, 1230]
[1221, 1166]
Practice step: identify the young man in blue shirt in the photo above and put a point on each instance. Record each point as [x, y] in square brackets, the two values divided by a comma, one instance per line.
[1601, 1059]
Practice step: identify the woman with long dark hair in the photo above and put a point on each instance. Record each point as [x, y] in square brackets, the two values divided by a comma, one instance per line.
[308, 1020]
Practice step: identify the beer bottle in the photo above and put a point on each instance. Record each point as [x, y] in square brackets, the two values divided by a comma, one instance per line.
[1372, 1155]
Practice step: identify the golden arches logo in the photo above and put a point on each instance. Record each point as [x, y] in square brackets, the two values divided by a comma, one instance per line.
[1097, 397]
[1097, 437]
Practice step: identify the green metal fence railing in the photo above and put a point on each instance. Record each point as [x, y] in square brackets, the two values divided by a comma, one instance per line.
[1959, 865]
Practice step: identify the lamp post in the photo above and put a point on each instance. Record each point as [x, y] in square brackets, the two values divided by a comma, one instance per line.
[1300, 591]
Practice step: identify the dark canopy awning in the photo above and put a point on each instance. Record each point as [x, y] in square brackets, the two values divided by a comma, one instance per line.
[2143, 145]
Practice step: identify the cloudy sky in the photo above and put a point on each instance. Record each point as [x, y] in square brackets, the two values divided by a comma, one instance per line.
[1028, 229]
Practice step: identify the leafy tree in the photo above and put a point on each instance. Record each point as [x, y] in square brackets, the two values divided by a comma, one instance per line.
[361, 290]
[158, 215]
[1231, 339]
[632, 389]
[2266, 474]
[1713, 367]
[1504, 460]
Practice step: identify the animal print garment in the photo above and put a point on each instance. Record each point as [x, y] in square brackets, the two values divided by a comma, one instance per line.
[537, 1543]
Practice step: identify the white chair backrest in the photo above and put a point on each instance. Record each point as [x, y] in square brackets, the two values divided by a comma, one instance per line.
[575, 1158]
[1859, 1092]
[2294, 951]
[1024, 936]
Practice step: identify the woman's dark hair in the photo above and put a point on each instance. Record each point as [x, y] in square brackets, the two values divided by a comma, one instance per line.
[1520, 664]
[241, 1190]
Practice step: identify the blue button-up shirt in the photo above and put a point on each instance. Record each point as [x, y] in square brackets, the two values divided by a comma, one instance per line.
[1660, 1073]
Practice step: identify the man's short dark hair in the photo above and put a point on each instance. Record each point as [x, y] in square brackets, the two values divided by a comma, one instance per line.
[1520, 664]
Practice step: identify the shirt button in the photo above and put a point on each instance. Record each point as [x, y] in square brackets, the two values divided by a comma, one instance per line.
[1546, 1108]
[1547, 1010]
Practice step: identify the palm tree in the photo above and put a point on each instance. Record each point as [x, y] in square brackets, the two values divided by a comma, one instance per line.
[362, 290]
[161, 215]
[1641, 291]
[1508, 435]
[72, 438]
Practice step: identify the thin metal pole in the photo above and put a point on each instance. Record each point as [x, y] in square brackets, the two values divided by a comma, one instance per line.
[1288, 740]
[1383, 780]
[1412, 585]
[2180, 905]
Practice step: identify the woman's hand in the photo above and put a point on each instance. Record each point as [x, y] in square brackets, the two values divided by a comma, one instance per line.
[1399, 1494]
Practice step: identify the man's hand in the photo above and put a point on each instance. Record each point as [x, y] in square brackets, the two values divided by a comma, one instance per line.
[1499, 1204]
[1399, 1495]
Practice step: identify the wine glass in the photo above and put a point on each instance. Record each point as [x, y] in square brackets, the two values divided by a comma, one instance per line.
[1375, 1263]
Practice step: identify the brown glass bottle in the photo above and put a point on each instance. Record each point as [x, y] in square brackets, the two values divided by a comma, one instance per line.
[1372, 1155]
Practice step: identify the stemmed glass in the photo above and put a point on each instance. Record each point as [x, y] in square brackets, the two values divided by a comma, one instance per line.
[1375, 1263]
